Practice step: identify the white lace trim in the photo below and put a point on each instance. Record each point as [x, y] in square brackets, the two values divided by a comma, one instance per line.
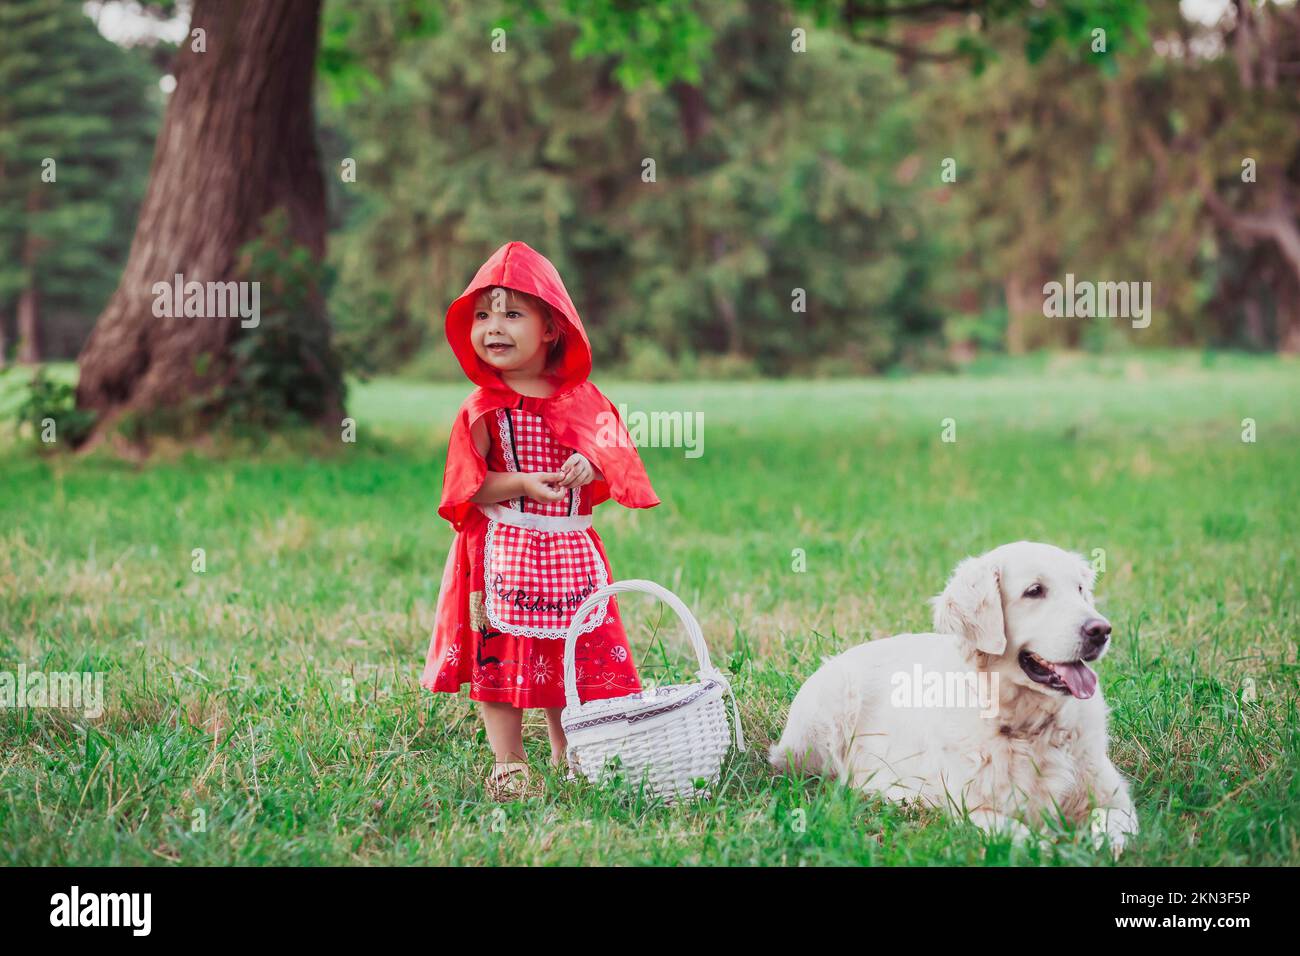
[507, 447]
[575, 496]
[596, 618]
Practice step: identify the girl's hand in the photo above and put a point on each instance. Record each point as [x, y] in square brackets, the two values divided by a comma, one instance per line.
[542, 486]
[576, 472]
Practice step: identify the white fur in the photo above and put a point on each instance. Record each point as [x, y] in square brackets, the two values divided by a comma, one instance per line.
[1043, 753]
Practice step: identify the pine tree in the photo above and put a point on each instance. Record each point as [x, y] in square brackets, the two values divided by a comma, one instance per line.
[774, 173]
[77, 115]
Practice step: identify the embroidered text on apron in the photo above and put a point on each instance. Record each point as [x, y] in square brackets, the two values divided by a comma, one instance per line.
[539, 563]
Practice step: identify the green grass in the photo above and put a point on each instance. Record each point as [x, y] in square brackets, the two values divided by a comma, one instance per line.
[276, 692]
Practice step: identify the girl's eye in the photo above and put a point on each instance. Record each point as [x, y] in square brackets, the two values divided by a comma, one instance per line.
[512, 314]
[1035, 591]
[480, 315]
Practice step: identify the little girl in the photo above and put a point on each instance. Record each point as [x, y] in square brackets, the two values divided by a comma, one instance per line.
[533, 450]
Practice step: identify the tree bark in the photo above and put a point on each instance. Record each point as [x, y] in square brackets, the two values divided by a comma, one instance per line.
[237, 141]
[725, 306]
[1288, 319]
[29, 326]
[29, 299]
[1021, 303]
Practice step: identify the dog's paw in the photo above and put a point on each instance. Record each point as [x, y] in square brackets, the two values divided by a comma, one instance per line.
[1114, 827]
[997, 824]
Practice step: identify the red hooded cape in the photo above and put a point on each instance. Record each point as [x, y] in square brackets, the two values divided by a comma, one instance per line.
[579, 415]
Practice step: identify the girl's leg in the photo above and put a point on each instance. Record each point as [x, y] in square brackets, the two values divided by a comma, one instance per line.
[558, 742]
[504, 725]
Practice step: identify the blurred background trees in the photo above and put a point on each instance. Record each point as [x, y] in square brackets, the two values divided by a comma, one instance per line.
[1115, 157]
[1135, 171]
[236, 195]
[772, 173]
[78, 115]
[730, 188]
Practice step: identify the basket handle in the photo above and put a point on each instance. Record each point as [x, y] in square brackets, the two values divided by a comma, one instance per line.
[706, 672]
[614, 587]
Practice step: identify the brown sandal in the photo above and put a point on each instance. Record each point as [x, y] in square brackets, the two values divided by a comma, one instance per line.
[508, 781]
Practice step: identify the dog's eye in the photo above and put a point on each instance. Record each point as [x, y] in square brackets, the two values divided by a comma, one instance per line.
[1035, 591]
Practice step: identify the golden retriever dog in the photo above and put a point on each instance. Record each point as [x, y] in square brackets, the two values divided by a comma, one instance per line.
[996, 717]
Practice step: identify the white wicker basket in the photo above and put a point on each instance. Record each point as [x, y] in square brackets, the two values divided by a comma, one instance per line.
[672, 736]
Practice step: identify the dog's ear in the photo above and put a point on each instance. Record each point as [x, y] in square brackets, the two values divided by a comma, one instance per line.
[971, 605]
[1089, 573]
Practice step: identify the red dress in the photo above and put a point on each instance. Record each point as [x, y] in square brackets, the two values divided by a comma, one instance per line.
[515, 575]
[525, 585]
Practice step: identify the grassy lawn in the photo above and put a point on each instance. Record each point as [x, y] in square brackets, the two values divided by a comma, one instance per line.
[267, 710]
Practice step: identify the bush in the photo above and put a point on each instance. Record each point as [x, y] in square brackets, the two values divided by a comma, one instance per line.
[50, 408]
[727, 368]
[286, 371]
[437, 363]
[647, 361]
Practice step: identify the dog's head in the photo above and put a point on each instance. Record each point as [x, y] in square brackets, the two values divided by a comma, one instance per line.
[1029, 607]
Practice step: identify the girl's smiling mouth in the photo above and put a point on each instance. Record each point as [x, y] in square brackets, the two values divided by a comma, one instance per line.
[498, 347]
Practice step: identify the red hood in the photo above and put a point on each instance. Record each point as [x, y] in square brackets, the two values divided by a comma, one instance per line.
[580, 416]
[518, 266]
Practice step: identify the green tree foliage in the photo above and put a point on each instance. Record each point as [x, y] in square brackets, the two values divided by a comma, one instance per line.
[69, 95]
[776, 172]
[780, 177]
[284, 372]
[45, 410]
[1105, 175]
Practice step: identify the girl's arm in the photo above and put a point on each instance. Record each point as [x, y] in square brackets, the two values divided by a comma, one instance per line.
[498, 486]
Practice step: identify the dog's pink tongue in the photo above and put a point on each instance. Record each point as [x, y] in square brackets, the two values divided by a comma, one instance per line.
[1078, 677]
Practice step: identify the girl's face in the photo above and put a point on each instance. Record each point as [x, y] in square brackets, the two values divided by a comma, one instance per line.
[510, 333]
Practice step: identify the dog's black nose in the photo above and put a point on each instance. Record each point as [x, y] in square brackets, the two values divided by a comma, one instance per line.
[1096, 631]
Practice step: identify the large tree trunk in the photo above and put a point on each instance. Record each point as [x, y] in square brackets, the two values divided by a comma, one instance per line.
[237, 141]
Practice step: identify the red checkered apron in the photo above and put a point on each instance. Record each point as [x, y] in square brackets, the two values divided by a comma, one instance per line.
[535, 577]
[524, 584]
